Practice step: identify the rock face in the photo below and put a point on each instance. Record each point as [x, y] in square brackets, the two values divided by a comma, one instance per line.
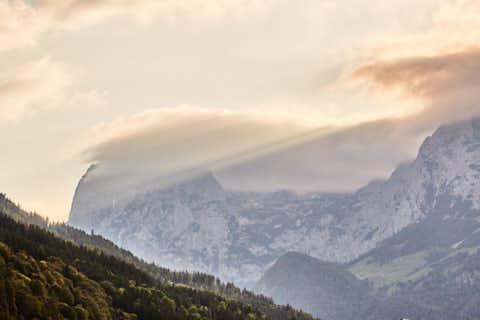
[428, 270]
[183, 226]
[197, 225]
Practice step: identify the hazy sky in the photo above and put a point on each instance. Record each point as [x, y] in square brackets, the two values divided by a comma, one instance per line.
[311, 95]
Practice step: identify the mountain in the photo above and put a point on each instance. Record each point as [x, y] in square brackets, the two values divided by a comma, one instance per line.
[29, 223]
[327, 289]
[184, 226]
[430, 269]
[194, 224]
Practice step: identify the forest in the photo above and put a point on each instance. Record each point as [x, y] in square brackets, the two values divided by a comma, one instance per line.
[45, 277]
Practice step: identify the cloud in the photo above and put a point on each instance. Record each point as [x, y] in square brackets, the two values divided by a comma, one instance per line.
[442, 88]
[41, 85]
[145, 10]
[411, 28]
[249, 150]
[32, 87]
[435, 70]
[341, 160]
[426, 77]
[92, 98]
[22, 22]
[435, 74]
[168, 140]
[447, 86]
[431, 69]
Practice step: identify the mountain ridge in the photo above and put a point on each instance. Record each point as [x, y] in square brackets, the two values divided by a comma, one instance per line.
[238, 235]
[430, 268]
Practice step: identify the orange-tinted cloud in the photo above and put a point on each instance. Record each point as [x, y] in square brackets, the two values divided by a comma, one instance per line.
[32, 87]
[447, 86]
[22, 22]
[425, 77]
[38, 86]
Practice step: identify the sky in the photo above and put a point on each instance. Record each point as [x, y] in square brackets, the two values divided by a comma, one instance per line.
[311, 95]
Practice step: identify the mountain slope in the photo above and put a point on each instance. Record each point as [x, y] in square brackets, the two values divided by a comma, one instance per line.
[184, 226]
[166, 277]
[75, 278]
[32, 289]
[428, 270]
[325, 289]
[195, 224]
[433, 264]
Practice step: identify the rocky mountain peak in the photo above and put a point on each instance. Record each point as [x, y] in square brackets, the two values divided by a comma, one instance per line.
[203, 184]
[452, 136]
[188, 221]
[449, 161]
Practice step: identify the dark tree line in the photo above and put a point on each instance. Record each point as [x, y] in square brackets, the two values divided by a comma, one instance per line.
[132, 288]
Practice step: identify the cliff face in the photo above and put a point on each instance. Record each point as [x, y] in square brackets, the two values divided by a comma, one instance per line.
[183, 225]
[193, 223]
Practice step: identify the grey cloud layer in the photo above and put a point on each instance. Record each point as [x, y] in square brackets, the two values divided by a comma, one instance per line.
[339, 159]
[164, 141]
[266, 155]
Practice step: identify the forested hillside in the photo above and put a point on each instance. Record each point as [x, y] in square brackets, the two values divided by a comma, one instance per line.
[127, 285]
[43, 276]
